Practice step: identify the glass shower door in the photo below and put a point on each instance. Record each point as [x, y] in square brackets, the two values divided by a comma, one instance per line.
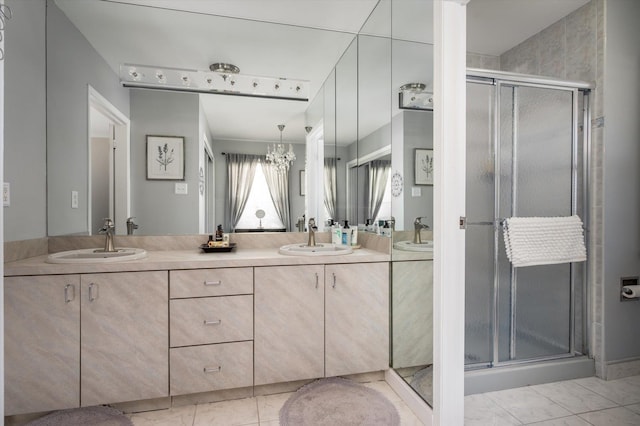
[536, 179]
[521, 161]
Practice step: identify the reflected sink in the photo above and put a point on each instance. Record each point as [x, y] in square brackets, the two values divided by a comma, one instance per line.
[97, 255]
[320, 249]
[411, 246]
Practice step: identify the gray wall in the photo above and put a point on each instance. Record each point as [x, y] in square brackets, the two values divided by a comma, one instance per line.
[72, 65]
[247, 147]
[418, 133]
[158, 210]
[621, 176]
[24, 122]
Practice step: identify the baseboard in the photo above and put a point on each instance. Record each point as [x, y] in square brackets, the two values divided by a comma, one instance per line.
[421, 409]
[620, 369]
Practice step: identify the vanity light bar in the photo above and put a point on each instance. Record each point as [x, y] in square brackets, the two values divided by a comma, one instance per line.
[214, 82]
[410, 99]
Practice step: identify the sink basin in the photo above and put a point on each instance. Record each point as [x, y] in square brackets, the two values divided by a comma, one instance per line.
[411, 246]
[97, 255]
[320, 249]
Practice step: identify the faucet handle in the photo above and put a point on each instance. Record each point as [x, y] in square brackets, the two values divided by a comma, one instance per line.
[312, 222]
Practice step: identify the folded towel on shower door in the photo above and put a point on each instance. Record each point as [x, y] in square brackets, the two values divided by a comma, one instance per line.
[544, 240]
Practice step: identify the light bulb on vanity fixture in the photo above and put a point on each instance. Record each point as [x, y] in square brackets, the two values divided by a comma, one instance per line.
[221, 78]
[278, 157]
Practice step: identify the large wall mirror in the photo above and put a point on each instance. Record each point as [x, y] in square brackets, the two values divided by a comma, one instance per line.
[86, 44]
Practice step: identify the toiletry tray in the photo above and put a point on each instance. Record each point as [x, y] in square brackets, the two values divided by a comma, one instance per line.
[208, 249]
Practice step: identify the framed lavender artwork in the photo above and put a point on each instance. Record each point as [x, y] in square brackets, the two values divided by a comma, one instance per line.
[423, 166]
[165, 157]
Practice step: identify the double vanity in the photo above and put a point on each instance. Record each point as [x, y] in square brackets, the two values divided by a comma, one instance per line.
[179, 323]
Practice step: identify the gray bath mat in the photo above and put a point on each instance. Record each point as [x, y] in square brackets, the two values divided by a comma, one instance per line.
[94, 416]
[338, 402]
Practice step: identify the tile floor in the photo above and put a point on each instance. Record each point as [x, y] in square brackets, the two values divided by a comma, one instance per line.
[261, 410]
[580, 402]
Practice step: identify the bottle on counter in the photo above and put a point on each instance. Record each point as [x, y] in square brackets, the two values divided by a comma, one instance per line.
[346, 234]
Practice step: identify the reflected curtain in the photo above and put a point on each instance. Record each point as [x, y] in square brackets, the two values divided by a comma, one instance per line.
[278, 183]
[241, 169]
[378, 176]
[330, 187]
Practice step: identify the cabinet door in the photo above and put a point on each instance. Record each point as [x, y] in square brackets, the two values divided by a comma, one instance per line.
[42, 341]
[289, 323]
[125, 337]
[357, 318]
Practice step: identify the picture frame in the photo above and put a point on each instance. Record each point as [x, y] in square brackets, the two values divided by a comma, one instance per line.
[165, 157]
[303, 180]
[423, 166]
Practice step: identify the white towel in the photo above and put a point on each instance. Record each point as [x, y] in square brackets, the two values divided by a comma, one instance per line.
[544, 240]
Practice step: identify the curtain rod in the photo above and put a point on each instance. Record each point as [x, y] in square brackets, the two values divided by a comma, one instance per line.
[338, 159]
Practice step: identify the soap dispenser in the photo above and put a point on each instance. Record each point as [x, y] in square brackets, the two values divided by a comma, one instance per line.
[346, 234]
[336, 233]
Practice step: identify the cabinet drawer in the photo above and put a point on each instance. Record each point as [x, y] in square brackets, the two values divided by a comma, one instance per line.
[211, 367]
[211, 282]
[211, 320]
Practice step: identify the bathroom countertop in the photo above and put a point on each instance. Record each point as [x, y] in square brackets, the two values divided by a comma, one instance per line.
[188, 259]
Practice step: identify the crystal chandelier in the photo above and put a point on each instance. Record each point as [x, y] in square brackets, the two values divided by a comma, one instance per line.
[278, 157]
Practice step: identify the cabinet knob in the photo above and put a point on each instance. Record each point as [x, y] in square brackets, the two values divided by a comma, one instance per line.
[212, 369]
[69, 293]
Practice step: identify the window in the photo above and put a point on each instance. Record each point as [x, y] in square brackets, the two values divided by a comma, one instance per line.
[259, 199]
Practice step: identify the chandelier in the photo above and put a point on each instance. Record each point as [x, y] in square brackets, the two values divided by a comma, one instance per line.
[278, 157]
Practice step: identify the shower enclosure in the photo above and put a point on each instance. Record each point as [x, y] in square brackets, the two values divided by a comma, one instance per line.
[527, 154]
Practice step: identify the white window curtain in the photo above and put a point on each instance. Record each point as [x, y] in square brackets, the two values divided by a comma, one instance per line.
[330, 187]
[378, 176]
[278, 183]
[241, 169]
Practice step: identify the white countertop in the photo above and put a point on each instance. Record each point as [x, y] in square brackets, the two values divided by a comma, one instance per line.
[189, 259]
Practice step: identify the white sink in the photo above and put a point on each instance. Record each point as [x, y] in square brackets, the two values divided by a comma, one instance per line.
[320, 249]
[97, 255]
[411, 246]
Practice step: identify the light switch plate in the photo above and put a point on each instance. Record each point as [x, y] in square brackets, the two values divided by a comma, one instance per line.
[74, 199]
[181, 188]
[416, 191]
[6, 194]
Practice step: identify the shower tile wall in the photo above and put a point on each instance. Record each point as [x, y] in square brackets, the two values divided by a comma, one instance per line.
[573, 49]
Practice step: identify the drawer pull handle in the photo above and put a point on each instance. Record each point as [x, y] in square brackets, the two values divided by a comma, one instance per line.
[334, 280]
[93, 292]
[212, 322]
[208, 283]
[317, 280]
[69, 293]
[212, 370]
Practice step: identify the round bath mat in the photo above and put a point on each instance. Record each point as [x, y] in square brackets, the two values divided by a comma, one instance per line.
[94, 416]
[338, 402]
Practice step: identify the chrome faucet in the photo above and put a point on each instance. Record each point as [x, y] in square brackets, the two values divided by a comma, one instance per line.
[131, 226]
[418, 226]
[108, 229]
[312, 232]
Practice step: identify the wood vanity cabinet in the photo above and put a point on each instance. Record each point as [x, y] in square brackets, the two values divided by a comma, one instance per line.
[125, 335]
[82, 340]
[306, 330]
[211, 316]
[42, 340]
[289, 323]
[356, 318]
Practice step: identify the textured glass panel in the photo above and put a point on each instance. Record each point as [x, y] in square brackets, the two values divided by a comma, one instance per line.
[478, 294]
[479, 238]
[543, 151]
[480, 170]
[542, 311]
